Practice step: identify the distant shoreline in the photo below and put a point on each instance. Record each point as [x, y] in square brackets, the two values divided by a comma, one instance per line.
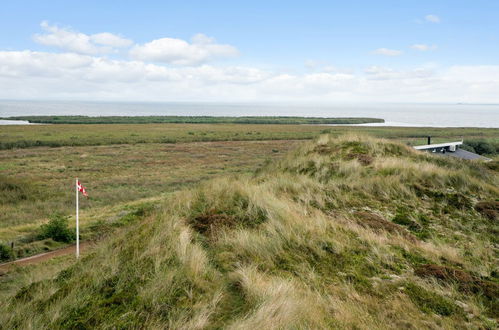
[410, 115]
[270, 120]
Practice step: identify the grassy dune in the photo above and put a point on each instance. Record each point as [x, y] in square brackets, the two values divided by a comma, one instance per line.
[348, 232]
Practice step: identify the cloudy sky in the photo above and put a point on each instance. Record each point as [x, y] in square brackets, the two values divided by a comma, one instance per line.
[291, 51]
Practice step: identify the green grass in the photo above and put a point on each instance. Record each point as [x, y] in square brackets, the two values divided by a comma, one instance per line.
[430, 302]
[39, 182]
[283, 248]
[191, 120]
[28, 136]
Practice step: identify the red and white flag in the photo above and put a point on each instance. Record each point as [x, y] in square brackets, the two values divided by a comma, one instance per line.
[81, 189]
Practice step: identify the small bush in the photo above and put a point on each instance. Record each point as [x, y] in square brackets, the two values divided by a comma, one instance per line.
[481, 147]
[57, 229]
[6, 252]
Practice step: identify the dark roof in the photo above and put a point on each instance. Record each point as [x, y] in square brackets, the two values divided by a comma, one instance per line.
[463, 154]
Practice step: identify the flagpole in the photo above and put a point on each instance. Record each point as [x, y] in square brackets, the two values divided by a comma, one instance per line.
[77, 224]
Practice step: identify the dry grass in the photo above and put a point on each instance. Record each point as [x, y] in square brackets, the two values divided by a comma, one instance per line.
[284, 248]
[43, 177]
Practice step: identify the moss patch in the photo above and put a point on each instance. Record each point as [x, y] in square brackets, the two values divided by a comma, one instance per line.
[430, 302]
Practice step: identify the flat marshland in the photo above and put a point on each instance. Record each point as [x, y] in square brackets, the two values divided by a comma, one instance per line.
[42, 178]
[255, 229]
[27, 136]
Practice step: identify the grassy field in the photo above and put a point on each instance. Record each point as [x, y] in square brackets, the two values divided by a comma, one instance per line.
[38, 182]
[26, 136]
[124, 163]
[192, 120]
[350, 232]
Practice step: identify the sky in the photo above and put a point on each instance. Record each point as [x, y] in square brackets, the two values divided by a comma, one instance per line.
[354, 51]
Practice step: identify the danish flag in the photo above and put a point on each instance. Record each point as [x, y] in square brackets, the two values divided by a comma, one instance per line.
[81, 189]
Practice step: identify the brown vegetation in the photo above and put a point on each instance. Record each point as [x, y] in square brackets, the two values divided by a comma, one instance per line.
[362, 158]
[211, 222]
[445, 273]
[465, 282]
[490, 209]
[379, 224]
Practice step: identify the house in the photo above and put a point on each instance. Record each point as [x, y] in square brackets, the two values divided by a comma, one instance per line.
[450, 149]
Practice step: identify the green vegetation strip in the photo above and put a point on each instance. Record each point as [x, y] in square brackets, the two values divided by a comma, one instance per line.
[192, 120]
[27, 136]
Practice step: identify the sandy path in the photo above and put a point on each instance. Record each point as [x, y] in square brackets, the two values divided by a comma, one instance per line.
[43, 256]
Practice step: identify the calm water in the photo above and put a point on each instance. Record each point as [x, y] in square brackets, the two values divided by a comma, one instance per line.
[437, 115]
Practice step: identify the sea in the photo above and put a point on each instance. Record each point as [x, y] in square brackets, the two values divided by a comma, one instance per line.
[406, 114]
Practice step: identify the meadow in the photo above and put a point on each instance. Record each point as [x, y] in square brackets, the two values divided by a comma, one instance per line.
[341, 232]
[28, 136]
[36, 183]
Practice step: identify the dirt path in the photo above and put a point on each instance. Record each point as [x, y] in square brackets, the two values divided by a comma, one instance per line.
[43, 256]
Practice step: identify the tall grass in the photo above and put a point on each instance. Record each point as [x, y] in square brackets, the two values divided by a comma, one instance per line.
[287, 247]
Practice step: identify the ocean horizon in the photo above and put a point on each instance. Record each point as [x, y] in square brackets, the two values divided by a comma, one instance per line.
[409, 114]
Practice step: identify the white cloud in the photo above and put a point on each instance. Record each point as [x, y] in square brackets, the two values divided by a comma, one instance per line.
[109, 39]
[78, 42]
[179, 52]
[28, 64]
[387, 52]
[83, 73]
[43, 75]
[323, 66]
[432, 18]
[423, 47]
[383, 73]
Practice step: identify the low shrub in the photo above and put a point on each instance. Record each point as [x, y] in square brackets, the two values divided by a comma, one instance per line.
[6, 252]
[57, 229]
[481, 147]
